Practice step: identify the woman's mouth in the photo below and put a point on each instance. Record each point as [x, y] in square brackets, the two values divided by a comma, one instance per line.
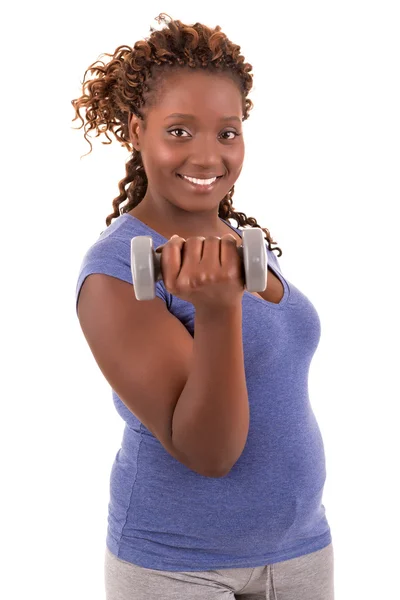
[200, 185]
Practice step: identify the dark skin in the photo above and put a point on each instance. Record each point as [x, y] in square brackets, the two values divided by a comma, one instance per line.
[203, 146]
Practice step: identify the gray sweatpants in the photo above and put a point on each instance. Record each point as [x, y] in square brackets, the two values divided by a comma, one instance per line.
[308, 577]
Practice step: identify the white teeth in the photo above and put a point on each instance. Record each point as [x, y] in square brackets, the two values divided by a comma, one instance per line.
[200, 181]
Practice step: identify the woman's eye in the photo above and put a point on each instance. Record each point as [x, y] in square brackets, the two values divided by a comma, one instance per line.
[224, 133]
[171, 130]
[234, 132]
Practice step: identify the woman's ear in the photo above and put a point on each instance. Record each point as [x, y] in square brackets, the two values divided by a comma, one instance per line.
[133, 126]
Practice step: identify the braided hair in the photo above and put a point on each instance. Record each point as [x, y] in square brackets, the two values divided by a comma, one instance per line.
[132, 81]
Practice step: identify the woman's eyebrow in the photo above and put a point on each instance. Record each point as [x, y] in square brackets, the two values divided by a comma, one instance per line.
[187, 116]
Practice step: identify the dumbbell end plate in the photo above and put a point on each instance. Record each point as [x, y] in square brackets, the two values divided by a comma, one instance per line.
[255, 259]
[142, 267]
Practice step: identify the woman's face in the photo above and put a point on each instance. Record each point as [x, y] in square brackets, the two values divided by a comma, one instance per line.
[207, 144]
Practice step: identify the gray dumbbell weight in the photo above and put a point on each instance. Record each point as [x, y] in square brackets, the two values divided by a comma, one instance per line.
[146, 263]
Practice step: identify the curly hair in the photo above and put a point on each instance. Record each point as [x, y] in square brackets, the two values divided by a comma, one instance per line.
[132, 82]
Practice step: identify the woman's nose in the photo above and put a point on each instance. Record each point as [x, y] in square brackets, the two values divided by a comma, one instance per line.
[206, 153]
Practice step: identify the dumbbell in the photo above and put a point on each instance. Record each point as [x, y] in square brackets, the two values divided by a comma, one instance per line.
[146, 263]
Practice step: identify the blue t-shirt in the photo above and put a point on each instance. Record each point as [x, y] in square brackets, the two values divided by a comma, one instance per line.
[268, 508]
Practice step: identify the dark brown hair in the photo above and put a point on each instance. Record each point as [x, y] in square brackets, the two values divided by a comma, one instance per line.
[132, 82]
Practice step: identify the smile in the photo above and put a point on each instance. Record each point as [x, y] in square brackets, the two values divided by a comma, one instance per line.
[201, 185]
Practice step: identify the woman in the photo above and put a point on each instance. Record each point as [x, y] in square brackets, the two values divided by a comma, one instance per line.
[216, 490]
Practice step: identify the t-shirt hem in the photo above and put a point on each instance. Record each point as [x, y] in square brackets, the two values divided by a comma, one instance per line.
[132, 555]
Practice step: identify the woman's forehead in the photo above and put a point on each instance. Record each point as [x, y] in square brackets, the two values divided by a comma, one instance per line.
[193, 98]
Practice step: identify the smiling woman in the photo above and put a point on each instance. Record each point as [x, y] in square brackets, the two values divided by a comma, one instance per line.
[198, 486]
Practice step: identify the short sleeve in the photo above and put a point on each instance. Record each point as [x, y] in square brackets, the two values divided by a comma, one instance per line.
[111, 256]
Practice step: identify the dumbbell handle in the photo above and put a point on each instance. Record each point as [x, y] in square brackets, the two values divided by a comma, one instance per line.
[157, 262]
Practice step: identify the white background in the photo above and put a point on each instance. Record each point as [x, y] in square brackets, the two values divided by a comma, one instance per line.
[321, 173]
